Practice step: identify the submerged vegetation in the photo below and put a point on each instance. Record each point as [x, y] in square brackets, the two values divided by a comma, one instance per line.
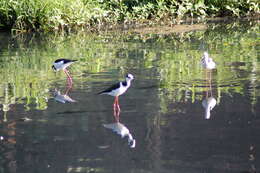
[50, 15]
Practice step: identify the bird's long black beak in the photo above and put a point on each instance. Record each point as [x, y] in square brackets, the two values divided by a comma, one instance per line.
[53, 67]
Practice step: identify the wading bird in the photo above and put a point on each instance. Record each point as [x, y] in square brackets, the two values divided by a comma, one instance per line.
[62, 64]
[118, 89]
[207, 62]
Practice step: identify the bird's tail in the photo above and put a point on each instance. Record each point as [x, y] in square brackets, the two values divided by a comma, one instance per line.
[100, 93]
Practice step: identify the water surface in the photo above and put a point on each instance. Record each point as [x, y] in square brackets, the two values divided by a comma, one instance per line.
[165, 109]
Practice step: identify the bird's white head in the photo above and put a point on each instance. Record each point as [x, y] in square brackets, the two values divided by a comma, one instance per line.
[205, 55]
[129, 77]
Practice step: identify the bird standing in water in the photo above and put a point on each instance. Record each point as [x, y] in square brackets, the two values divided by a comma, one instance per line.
[209, 102]
[62, 64]
[118, 89]
[207, 62]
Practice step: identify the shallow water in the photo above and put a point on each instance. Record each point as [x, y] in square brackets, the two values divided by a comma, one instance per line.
[164, 109]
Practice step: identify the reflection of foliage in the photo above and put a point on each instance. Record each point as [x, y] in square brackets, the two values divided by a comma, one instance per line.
[233, 46]
[235, 51]
[26, 60]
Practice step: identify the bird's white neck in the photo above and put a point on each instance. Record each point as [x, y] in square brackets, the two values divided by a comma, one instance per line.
[128, 82]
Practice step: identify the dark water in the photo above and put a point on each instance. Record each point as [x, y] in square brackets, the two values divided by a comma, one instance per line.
[163, 109]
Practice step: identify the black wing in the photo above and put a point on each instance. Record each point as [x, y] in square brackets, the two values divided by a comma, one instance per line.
[113, 87]
[64, 60]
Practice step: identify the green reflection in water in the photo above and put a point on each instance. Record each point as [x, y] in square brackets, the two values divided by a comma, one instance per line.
[26, 76]
[234, 48]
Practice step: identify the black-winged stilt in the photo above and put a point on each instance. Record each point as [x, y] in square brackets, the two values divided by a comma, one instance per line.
[207, 62]
[118, 89]
[62, 64]
[209, 102]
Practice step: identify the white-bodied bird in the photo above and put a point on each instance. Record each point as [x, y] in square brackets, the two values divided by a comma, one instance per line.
[118, 89]
[62, 64]
[207, 62]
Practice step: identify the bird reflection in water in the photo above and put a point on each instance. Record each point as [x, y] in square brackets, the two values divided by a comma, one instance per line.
[63, 98]
[209, 102]
[121, 129]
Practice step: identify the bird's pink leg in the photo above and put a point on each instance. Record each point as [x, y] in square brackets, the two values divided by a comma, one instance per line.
[67, 73]
[116, 104]
[69, 78]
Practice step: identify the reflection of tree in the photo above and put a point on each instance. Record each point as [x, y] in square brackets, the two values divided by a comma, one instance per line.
[26, 78]
[253, 85]
[7, 100]
[8, 146]
[8, 130]
[153, 139]
[180, 72]
[26, 62]
[251, 158]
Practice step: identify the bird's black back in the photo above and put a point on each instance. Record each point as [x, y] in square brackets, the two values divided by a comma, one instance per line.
[64, 60]
[124, 83]
[113, 87]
